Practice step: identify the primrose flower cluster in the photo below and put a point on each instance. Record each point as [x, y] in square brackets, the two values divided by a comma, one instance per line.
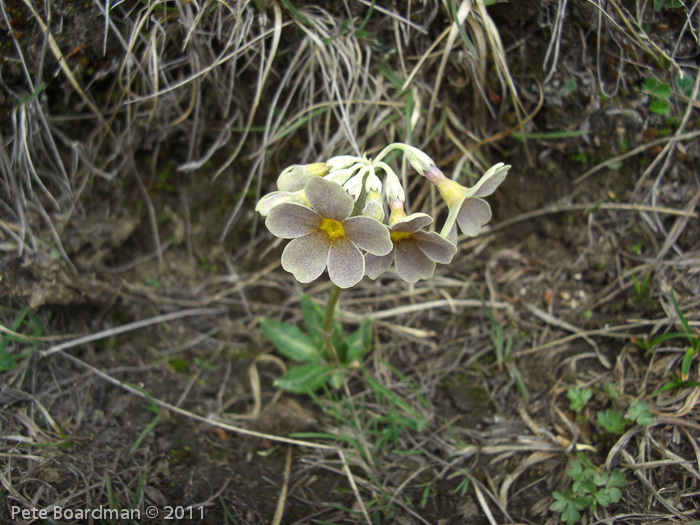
[335, 210]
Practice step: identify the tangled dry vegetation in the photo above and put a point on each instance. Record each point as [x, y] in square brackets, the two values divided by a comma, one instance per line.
[549, 374]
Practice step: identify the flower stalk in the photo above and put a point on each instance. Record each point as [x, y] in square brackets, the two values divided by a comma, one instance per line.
[327, 324]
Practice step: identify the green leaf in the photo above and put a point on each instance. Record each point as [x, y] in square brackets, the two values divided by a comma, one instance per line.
[289, 340]
[304, 379]
[684, 83]
[578, 398]
[600, 478]
[617, 479]
[660, 107]
[359, 342]
[611, 420]
[312, 312]
[687, 361]
[567, 506]
[576, 472]
[639, 412]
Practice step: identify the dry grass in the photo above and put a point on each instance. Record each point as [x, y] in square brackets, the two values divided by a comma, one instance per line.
[134, 155]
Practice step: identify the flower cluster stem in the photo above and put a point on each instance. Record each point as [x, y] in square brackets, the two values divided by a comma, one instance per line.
[327, 325]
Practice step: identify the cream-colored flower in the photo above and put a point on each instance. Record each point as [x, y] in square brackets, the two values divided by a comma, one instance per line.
[466, 207]
[325, 236]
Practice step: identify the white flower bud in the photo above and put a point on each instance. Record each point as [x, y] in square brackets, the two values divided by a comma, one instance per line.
[419, 160]
[342, 161]
[353, 187]
[394, 190]
[342, 176]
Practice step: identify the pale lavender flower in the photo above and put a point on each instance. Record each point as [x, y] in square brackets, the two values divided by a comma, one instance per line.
[466, 205]
[325, 236]
[415, 250]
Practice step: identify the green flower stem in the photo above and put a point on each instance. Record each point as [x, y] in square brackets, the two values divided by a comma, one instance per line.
[387, 150]
[327, 325]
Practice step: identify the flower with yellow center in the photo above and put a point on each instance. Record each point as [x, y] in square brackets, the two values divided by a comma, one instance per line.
[466, 206]
[415, 250]
[325, 236]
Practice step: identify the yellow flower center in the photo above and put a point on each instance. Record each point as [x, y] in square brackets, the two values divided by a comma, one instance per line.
[333, 229]
[399, 236]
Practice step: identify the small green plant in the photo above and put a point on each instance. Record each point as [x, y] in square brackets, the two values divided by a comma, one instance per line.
[591, 486]
[25, 322]
[151, 406]
[324, 351]
[643, 289]
[684, 83]
[611, 420]
[660, 93]
[682, 378]
[667, 4]
[578, 398]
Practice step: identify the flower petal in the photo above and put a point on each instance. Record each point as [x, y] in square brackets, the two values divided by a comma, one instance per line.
[328, 199]
[412, 223]
[377, 265]
[306, 257]
[452, 236]
[346, 266]
[490, 180]
[288, 220]
[473, 214]
[411, 263]
[271, 200]
[435, 247]
[369, 234]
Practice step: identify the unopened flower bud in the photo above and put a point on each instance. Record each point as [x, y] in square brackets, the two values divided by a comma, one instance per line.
[353, 187]
[342, 176]
[341, 162]
[373, 184]
[394, 190]
[373, 206]
[419, 160]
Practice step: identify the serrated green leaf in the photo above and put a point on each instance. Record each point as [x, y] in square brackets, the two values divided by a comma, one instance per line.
[639, 412]
[289, 340]
[359, 342]
[560, 502]
[571, 514]
[602, 497]
[600, 478]
[611, 420]
[617, 479]
[578, 398]
[304, 379]
[583, 487]
[576, 471]
[660, 107]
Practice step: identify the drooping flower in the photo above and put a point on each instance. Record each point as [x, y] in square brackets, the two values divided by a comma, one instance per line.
[325, 236]
[466, 207]
[415, 250]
